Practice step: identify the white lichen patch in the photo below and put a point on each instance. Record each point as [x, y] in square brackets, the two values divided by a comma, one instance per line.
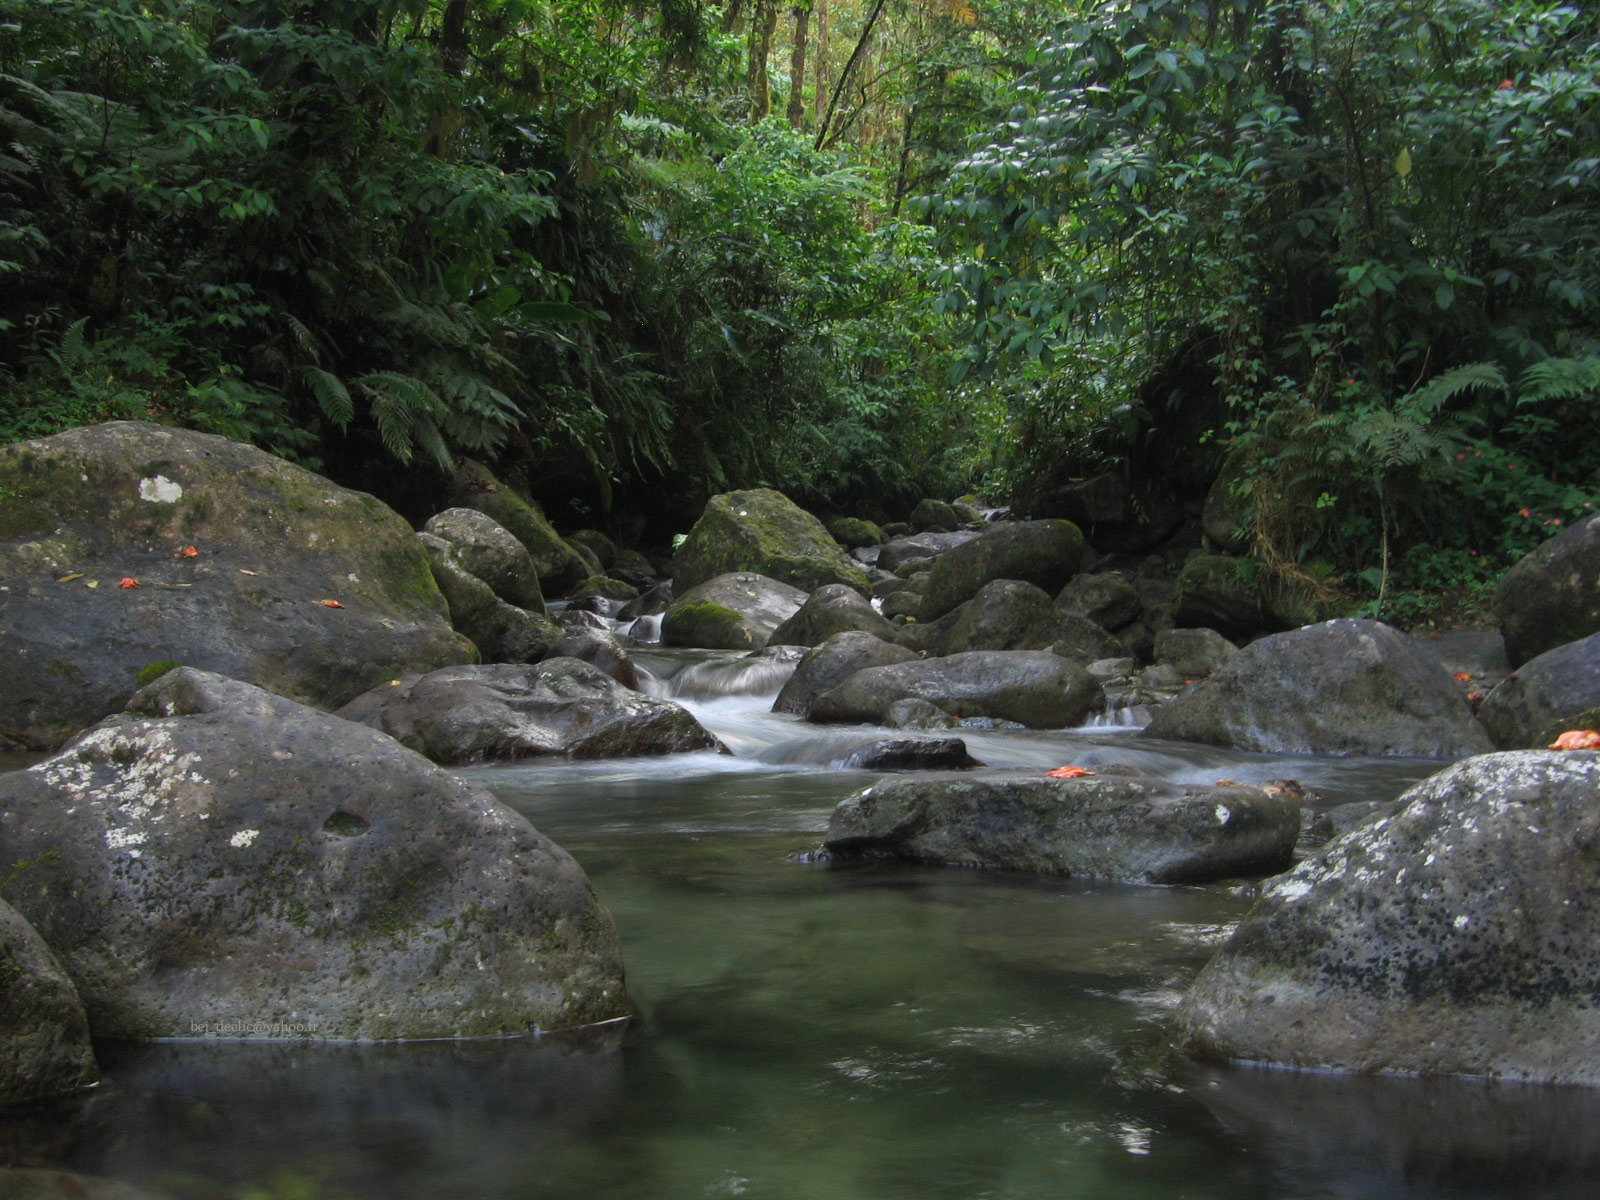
[1224, 814]
[123, 839]
[243, 838]
[1289, 890]
[158, 489]
[1462, 922]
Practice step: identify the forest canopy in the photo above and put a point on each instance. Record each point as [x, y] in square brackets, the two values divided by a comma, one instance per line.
[1344, 255]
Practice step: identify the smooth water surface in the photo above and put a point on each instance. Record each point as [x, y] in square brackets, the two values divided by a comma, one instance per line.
[816, 1032]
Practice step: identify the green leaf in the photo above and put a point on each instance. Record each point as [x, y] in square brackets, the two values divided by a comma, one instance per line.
[1444, 295]
[553, 312]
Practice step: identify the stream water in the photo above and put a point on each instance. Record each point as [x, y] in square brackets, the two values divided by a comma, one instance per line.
[817, 1032]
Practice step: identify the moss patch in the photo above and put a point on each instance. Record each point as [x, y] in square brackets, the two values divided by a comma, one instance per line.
[151, 672]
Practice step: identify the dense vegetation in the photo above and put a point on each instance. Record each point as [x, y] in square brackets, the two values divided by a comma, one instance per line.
[1346, 253]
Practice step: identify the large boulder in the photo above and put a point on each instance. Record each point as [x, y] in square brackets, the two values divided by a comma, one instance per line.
[826, 666]
[903, 554]
[1557, 691]
[1106, 598]
[1342, 687]
[1007, 614]
[585, 636]
[561, 706]
[1193, 652]
[1552, 596]
[764, 532]
[854, 532]
[221, 861]
[488, 550]
[1219, 592]
[1034, 688]
[558, 565]
[935, 515]
[1043, 553]
[502, 632]
[303, 587]
[44, 1035]
[832, 609]
[736, 611]
[1459, 936]
[1110, 826]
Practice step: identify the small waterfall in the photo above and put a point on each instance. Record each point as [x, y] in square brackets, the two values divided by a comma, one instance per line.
[1121, 716]
[755, 675]
[640, 629]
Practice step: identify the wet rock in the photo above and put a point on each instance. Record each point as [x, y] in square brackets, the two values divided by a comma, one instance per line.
[630, 566]
[830, 664]
[502, 632]
[1083, 641]
[853, 532]
[1222, 593]
[831, 609]
[1193, 653]
[1008, 614]
[904, 603]
[561, 706]
[736, 611]
[1457, 936]
[936, 516]
[657, 600]
[1037, 689]
[1342, 687]
[1549, 694]
[220, 855]
[272, 541]
[598, 544]
[1341, 819]
[912, 754]
[486, 549]
[1110, 827]
[604, 587]
[44, 1035]
[762, 532]
[1106, 598]
[587, 638]
[1552, 596]
[558, 565]
[918, 714]
[1043, 553]
[903, 554]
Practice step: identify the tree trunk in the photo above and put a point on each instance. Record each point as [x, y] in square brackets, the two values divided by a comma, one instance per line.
[821, 97]
[797, 66]
[453, 37]
[849, 69]
[763, 23]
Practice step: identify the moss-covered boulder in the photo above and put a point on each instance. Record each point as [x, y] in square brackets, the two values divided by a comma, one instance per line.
[935, 515]
[502, 632]
[831, 609]
[1043, 553]
[222, 862]
[44, 1034]
[1552, 596]
[488, 550]
[1008, 614]
[128, 544]
[853, 532]
[1218, 591]
[604, 587]
[598, 544]
[1039, 690]
[735, 611]
[559, 566]
[764, 532]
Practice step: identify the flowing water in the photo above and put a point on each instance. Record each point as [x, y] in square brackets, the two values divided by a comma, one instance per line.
[816, 1032]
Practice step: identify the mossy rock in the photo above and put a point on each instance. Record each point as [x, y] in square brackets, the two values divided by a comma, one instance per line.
[1218, 591]
[854, 531]
[1044, 553]
[735, 611]
[764, 532]
[606, 588]
[296, 584]
[598, 544]
[935, 514]
[591, 560]
[559, 566]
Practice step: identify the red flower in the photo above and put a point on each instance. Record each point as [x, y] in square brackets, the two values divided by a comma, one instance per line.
[1557, 521]
[1505, 86]
[1522, 512]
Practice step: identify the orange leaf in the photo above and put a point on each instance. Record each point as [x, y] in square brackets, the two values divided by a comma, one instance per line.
[1474, 696]
[128, 581]
[330, 604]
[1464, 677]
[1577, 739]
[187, 552]
[1227, 783]
[1068, 773]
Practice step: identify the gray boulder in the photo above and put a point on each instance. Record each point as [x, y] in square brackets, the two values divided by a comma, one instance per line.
[1342, 687]
[44, 1035]
[1459, 936]
[598, 544]
[502, 632]
[903, 554]
[560, 706]
[303, 587]
[1193, 653]
[1043, 553]
[558, 565]
[1557, 691]
[833, 608]
[587, 637]
[1110, 827]
[935, 515]
[903, 603]
[736, 611]
[918, 714]
[488, 550]
[220, 854]
[911, 754]
[1033, 688]
[765, 533]
[1552, 596]
[1106, 598]
[830, 664]
[1006, 614]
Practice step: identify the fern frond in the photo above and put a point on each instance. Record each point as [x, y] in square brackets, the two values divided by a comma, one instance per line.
[1559, 379]
[1432, 396]
[394, 421]
[433, 443]
[410, 391]
[73, 350]
[303, 338]
[333, 398]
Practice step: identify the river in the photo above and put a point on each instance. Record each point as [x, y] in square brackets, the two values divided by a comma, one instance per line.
[808, 1031]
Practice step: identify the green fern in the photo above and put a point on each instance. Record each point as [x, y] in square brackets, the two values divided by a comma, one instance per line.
[333, 398]
[1432, 396]
[1559, 379]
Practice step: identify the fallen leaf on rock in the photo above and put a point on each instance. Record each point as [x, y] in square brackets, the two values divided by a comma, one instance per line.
[330, 604]
[1069, 773]
[244, 571]
[70, 578]
[187, 552]
[1577, 739]
[128, 581]
[1229, 783]
[1474, 696]
[1463, 676]
[92, 583]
